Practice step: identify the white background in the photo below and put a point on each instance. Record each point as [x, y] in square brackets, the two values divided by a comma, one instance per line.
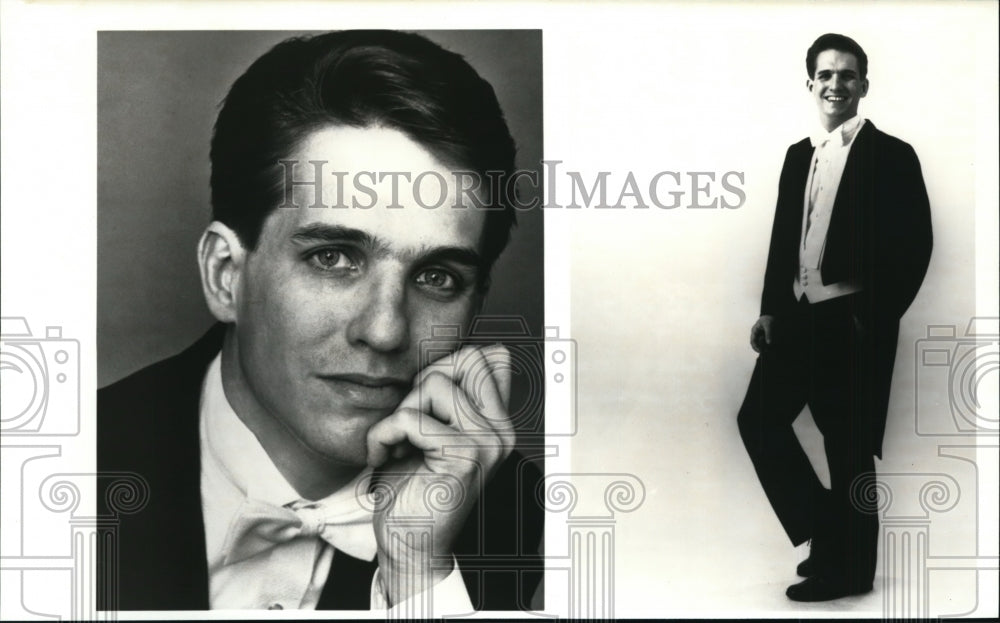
[659, 302]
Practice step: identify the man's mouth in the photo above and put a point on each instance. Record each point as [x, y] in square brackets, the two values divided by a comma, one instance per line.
[836, 98]
[368, 392]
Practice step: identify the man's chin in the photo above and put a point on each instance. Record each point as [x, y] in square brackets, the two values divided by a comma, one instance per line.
[345, 437]
[842, 111]
[352, 454]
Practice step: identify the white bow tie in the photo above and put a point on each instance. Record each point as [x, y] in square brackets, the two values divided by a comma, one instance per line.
[259, 526]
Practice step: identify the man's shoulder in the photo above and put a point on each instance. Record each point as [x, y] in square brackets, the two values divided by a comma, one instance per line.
[147, 432]
[800, 144]
[134, 414]
[803, 145]
[890, 159]
[885, 140]
[165, 375]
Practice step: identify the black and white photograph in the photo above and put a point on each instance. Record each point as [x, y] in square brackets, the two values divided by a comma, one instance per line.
[503, 309]
[796, 360]
[347, 269]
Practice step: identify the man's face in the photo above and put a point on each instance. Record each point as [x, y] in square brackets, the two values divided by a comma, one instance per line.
[332, 305]
[837, 87]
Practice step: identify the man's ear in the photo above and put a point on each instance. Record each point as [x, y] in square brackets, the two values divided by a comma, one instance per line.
[221, 260]
[864, 87]
[809, 84]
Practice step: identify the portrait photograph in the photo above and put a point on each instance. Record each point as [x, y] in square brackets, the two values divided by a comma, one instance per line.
[383, 301]
[499, 310]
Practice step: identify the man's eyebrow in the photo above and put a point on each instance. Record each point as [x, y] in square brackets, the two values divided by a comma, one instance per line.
[456, 255]
[321, 232]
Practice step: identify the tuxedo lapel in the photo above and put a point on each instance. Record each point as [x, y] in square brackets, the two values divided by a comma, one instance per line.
[800, 159]
[782, 258]
[148, 426]
[844, 252]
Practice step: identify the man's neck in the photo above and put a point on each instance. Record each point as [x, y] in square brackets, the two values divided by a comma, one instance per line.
[312, 475]
[830, 124]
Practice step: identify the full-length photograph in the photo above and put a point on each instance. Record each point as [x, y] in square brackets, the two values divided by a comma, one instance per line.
[800, 379]
[309, 263]
[849, 249]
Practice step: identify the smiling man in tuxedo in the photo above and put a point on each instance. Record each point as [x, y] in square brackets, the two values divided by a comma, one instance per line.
[303, 454]
[850, 245]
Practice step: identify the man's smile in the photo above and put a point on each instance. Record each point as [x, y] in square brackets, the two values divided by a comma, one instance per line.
[368, 392]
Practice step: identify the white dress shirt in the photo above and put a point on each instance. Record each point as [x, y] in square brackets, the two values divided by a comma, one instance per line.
[235, 470]
[828, 162]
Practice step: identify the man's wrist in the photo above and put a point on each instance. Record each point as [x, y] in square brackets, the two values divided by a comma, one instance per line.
[411, 573]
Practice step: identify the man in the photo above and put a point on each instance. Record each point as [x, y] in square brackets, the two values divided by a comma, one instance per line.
[849, 249]
[303, 454]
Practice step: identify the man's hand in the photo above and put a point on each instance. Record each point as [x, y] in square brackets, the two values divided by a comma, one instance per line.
[762, 333]
[433, 456]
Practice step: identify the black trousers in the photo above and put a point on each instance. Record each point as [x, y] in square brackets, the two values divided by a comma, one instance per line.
[821, 357]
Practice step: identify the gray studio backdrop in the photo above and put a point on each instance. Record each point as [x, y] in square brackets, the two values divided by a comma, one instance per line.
[158, 96]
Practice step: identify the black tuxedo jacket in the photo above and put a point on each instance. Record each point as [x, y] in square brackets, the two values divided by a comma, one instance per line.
[879, 236]
[155, 558]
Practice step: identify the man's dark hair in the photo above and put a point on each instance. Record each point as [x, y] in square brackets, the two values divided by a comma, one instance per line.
[358, 79]
[841, 43]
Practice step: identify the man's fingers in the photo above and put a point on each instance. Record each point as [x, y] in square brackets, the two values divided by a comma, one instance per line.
[498, 358]
[427, 434]
[761, 335]
[468, 364]
[469, 389]
[392, 432]
[441, 399]
[755, 337]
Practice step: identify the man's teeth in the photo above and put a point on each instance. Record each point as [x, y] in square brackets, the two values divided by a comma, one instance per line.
[835, 98]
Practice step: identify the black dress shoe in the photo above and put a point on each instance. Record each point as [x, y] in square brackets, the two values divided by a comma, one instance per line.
[807, 568]
[818, 588]
[811, 565]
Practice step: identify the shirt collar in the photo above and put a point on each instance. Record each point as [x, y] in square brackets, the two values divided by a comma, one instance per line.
[244, 461]
[842, 135]
[236, 449]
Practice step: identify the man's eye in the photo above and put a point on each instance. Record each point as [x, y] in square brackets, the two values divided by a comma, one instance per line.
[437, 279]
[332, 259]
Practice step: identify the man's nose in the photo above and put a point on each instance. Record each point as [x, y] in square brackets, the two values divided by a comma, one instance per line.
[381, 320]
